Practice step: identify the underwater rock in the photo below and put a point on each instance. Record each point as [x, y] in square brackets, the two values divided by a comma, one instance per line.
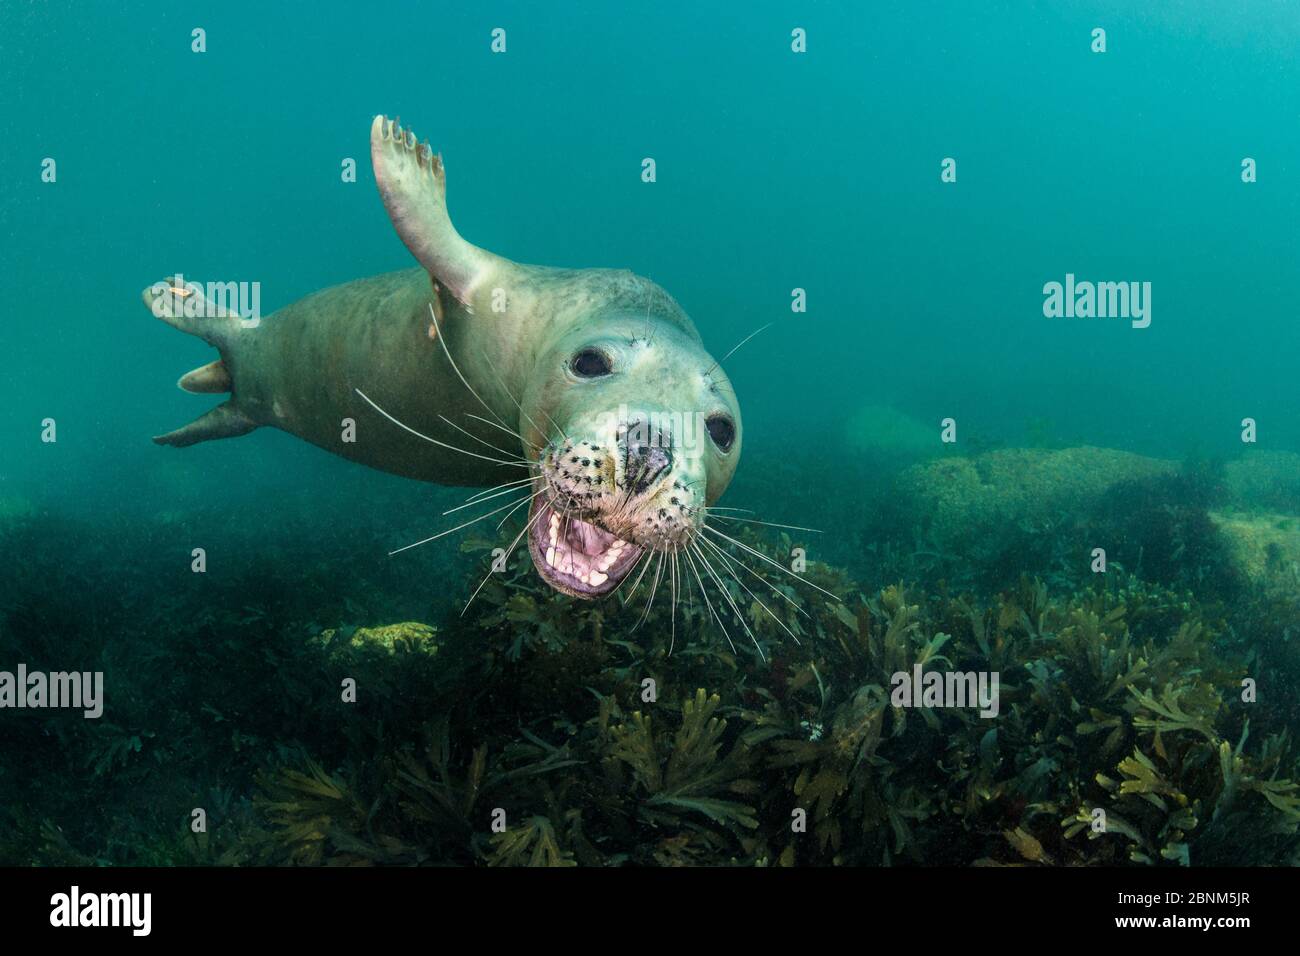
[407, 637]
[968, 496]
[1261, 544]
[878, 431]
[1265, 479]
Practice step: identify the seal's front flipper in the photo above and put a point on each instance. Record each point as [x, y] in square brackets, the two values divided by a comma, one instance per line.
[224, 421]
[413, 185]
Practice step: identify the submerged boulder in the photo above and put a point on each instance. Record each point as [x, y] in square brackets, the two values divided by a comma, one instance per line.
[408, 637]
[1176, 526]
[1262, 544]
[961, 498]
[878, 431]
[1265, 479]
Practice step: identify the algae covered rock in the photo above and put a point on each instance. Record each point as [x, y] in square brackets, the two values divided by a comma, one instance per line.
[1261, 544]
[409, 637]
[1265, 479]
[386, 664]
[969, 496]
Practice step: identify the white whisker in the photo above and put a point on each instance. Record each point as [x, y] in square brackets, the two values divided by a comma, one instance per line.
[672, 638]
[631, 594]
[704, 594]
[487, 492]
[728, 560]
[516, 401]
[762, 556]
[708, 566]
[485, 421]
[469, 434]
[437, 328]
[509, 551]
[769, 524]
[518, 464]
[516, 507]
[738, 345]
[618, 587]
[654, 589]
[482, 498]
[775, 590]
[443, 534]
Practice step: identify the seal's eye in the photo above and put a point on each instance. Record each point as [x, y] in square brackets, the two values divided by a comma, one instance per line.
[722, 430]
[590, 363]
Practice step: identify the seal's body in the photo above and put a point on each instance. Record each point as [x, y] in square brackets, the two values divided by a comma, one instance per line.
[475, 370]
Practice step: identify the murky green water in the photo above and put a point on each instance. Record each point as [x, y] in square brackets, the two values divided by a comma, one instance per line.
[1102, 511]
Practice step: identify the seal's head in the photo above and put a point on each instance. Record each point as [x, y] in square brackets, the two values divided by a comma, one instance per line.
[638, 430]
[630, 427]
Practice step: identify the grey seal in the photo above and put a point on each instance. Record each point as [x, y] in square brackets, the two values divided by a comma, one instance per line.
[589, 390]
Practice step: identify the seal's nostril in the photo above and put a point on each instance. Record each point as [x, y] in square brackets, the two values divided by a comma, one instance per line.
[645, 463]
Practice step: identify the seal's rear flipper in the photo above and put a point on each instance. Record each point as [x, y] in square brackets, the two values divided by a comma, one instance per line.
[224, 421]
[413, 185]
[182, 306]
[207, 379]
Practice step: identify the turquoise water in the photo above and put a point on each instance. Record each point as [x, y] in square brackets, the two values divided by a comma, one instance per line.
[776, 171]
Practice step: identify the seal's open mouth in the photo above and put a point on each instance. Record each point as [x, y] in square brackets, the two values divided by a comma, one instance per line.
[576, 556]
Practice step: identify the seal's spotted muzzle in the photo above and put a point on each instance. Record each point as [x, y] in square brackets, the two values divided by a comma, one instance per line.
[605, 503]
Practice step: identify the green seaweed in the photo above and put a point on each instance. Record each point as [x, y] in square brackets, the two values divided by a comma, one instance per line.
[540, 731]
